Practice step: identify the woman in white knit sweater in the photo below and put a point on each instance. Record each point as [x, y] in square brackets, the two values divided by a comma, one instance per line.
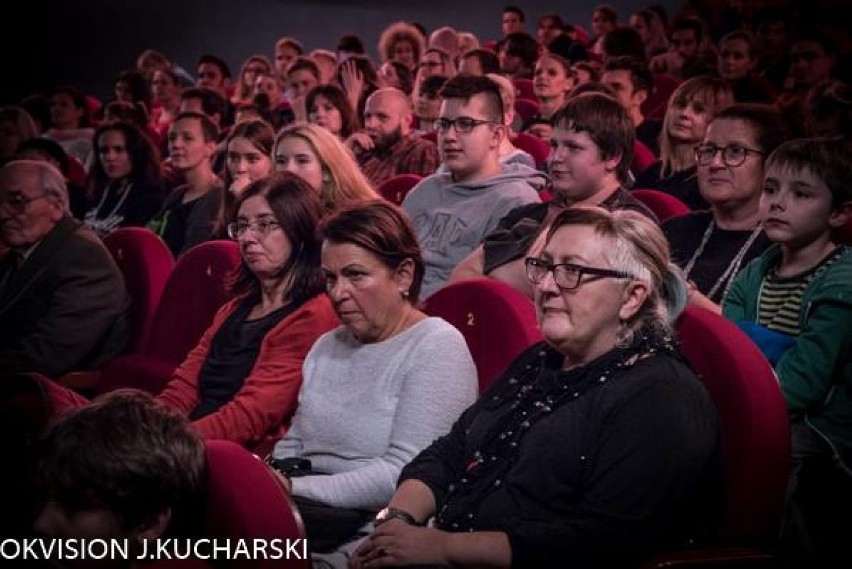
[377, 390]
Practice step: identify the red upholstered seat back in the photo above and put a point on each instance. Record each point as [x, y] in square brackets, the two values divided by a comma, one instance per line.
[194, 292]
[754, 424]
[655, 105]
[146, 263]
[665, 206]
[642, 157]
[396, 188]
[245, 500]
[527, 108]
[532, 145]
[497, 321]
[524, 89]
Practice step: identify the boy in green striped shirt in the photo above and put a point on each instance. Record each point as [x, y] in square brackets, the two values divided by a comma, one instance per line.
[795, 302]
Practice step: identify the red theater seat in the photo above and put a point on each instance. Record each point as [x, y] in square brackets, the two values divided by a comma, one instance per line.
[527, 108]
[665, 206]
[195, 290]
[497, 321]
[524, 89]
[146, 263]
[396, 188]
[755, 437]
[532, 145]
[245, 500]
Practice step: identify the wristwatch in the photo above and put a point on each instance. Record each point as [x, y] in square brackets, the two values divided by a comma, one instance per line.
[390, 513]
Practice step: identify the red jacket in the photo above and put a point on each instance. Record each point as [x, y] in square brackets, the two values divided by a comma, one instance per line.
[260, 412]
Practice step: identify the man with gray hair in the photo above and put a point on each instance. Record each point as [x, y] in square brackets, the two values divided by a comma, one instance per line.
[63, 303]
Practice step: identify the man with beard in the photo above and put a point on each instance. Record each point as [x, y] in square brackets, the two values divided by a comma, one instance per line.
[387, 147]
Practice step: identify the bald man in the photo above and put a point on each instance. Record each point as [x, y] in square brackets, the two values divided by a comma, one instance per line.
[387, 147]
[63, 305]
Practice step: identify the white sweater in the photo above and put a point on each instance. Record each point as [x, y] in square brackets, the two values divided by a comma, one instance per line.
[366, 410]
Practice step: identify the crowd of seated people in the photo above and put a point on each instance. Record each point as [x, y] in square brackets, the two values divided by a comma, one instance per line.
[324, 361]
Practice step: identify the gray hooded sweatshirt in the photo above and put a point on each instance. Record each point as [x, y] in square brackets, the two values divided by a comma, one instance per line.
[451, 219]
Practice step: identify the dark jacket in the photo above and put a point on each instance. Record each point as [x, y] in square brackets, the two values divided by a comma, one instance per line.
[65, 308]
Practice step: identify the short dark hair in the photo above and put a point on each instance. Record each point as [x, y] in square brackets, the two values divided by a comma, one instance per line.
[828, 109]
[129, 453]
[515, 10]
[208, 128]
[432, 85]
[741, 35]
[212, 103]
[768, 124]
[812, 34]
[523, 45]
[297, 209]
[384, 230]
[640, 74]
[560, 23]
[606, 122]
[689, 23]
[303, 63]
[336, 96]
[607, 11]
[623, 40]
[592, 87]
[825, 158]
[488, 60]
[466, 86]
[350, 43]
[218, 62]
[47, 147]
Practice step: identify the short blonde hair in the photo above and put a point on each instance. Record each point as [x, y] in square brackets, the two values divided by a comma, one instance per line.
[343, 182]
[507, 93]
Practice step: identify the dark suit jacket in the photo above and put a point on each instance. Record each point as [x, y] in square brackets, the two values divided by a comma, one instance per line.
[65, 308]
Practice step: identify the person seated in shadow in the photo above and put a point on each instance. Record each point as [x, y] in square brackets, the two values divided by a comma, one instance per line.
[124, 467]
[63, 303]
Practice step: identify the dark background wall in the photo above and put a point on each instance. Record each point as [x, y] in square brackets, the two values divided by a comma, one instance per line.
[88, 42]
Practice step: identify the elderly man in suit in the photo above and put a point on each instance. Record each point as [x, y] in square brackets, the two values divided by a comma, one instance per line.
[63, 304]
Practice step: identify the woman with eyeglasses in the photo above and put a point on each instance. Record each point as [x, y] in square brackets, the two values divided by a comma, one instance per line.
[691, 108]
[378, 389]
[712, 246]
[241, 381]
[598, 445]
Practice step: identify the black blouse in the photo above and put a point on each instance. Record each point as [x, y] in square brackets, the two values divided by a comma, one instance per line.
[601, 465]
[233, 353]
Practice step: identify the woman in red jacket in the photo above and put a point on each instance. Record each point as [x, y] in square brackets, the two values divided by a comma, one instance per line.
[242, 380]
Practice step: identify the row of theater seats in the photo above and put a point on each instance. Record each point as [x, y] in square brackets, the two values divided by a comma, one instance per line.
[498, 323]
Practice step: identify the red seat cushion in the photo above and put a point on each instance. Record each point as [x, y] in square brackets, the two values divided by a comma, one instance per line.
[396, 188]
[665, 206]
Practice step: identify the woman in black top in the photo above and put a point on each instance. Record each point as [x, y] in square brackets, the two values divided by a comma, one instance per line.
[713, 246]
[598, 447]
[125, 186]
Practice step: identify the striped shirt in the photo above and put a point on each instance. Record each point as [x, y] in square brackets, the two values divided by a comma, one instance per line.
[781, 297]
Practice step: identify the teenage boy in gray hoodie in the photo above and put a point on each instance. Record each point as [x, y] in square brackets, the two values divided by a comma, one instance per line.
[454, 210]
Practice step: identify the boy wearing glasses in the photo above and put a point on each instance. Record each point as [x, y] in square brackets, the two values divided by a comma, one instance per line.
[795, 302]
[454, 210]
[63, 305]
[591, 150]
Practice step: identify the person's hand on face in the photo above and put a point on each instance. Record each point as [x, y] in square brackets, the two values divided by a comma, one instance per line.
[240, 183]
[360, 140]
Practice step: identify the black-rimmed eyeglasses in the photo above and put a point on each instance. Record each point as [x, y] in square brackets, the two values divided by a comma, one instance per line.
[732, 155]
[567, 276]
[463, 125]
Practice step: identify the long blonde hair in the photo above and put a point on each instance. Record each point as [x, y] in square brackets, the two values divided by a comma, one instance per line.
[343, 182]
[711, 92]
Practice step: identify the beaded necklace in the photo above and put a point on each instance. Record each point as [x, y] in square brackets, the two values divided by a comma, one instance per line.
[727, 277]
[536, 392]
